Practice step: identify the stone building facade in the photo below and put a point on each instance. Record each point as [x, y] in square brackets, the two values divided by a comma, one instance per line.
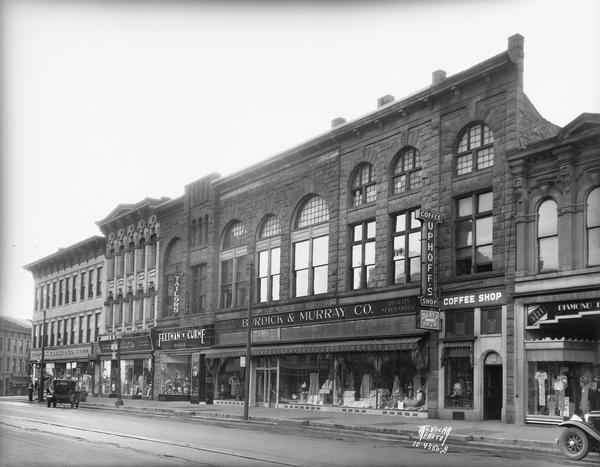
[324, 242]
[67, 314]
[557, 277]
[15, 336]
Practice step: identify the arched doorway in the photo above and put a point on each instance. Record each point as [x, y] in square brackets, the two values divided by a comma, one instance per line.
[492, 387]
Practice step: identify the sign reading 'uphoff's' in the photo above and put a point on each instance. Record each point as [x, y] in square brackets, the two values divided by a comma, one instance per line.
[428, 316]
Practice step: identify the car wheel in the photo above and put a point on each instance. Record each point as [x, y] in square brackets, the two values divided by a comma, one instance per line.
[574, 443]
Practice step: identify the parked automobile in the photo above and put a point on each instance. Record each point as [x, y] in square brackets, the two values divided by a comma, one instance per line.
[580, 435]
[64, 391]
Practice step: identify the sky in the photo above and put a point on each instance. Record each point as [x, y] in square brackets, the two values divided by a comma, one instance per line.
[109, 102]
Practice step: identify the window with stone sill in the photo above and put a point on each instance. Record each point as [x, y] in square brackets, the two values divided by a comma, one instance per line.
[269, 254]
[234, 266]
[364, 188]
[547, 236]
[363, 254]
[474, 233]
[475, 149]
[406, 175]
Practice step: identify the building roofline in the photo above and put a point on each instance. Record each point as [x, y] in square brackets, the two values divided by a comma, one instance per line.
[66, 251]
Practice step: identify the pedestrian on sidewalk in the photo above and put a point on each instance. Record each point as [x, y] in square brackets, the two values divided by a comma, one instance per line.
[30, 389]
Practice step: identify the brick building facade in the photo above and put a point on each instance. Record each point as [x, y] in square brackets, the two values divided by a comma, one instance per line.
[15, 336]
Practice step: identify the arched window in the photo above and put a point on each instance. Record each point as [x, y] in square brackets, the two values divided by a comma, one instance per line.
[234, 270]
[199, 235]
[407, 171]
[268, 248]
[475, 149]
[364, 189]
[310, 243]
[120, 261]
[547, 236]
[130, 258]
[592, 222]
[153, 251]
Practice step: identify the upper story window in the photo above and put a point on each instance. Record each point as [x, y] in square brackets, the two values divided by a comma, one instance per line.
[310, 253]
[363, 255]
[268, 248]
[474, 236]
[99, 281]
[592, 222]
[406, 238]
[120, 260]
[91, 284]
[407, 171]
[199, 288]
[547, 236]
[67, 289]
[475, 149]
[234, 270]
[364, 189]
[141, 256]
[130, 258]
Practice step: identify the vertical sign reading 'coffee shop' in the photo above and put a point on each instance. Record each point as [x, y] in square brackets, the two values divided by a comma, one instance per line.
[428, 315]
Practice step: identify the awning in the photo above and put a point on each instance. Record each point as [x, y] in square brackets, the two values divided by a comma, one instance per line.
[561, 350]
[370, 345]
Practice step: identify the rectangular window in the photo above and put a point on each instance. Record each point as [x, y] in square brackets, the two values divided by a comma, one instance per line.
[65, 331]
[74, 290]
[129, 310]
[81, 329]
[91, 284]
[139, 307]
[311, 259]
[99, 281]
[72, 340]
[82, 287]
[363, 255]
[227, 284]
[96, 326]
[151, 307]
[67, 289]
[199, 277]
[234, 282]
[474, 233]
[52, 335]
[109, 316]
[406, 248]
[268, 274]
[491, 320]
[458, 377]
[36, 305]
[54, 291]
[60, 292]
[89, 328]
[459, 323]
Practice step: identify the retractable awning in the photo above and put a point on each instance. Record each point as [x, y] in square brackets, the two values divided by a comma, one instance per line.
[368, 345]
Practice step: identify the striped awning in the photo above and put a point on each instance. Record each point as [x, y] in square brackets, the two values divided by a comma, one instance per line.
[367, 345]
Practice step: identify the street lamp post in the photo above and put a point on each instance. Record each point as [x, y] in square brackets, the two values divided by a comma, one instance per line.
[248, 340]
[42, 361]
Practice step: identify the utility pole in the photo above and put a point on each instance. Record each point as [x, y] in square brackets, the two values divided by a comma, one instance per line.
[42, 361]
[248, 340]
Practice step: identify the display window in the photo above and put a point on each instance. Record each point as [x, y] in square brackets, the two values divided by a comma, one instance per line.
[457, 361]
[108, 383]
[561, 389]
[175, 371]
[136, 377]
[229, 379]
[373, 380]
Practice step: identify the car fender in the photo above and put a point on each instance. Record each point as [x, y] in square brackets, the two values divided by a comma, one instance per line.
[588, 430]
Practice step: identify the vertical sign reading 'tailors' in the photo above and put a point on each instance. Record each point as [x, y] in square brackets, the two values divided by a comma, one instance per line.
[428, 316]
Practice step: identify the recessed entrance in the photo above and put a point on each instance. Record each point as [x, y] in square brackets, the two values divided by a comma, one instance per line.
[492, 387]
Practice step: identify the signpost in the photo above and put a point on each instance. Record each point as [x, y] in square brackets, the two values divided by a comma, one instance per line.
[428, 315]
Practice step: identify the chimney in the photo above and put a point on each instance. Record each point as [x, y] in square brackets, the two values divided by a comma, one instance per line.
[385, 100]
[337, 122]
[437, 77]
[516, 44]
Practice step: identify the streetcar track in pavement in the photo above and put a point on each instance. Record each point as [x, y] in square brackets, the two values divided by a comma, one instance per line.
[45, 423]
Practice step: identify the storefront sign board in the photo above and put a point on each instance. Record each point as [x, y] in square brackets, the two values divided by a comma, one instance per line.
[187, 337]
[62, 353]
[473, 299]
[127, 345]
[363, 310]
[549, 311]
[429, 320]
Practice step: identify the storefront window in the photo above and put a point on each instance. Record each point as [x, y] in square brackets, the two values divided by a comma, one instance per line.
[373, 380]
[559, 389]
[229, 381]
[457, 360]
[136, 377]
[175, 375]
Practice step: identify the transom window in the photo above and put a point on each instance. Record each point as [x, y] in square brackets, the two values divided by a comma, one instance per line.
[475, 149]
[406, 244]
[270, 228]
[363, 255]
[593, 227]
[236, 235]
[407, 171]
[364, 189]
[313, 212]
[474, 235]
[547, 236]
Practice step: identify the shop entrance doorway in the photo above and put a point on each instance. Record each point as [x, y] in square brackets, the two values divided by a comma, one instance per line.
[492, 386]
[267, 381]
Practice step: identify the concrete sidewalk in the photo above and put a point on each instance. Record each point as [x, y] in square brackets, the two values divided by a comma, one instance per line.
[485, 434]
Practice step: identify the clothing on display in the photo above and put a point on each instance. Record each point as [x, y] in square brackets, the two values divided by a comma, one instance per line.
[541, 378]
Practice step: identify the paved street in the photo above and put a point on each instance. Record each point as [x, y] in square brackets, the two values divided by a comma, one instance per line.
[32, 434]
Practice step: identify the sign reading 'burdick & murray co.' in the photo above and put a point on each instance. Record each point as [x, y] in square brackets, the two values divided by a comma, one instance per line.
[363, 310]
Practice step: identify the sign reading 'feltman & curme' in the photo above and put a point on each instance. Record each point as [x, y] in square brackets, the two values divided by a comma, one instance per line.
[193, 336]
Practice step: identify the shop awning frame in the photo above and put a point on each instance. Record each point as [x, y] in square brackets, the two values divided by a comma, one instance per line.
[367, 345]
[562, 350]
